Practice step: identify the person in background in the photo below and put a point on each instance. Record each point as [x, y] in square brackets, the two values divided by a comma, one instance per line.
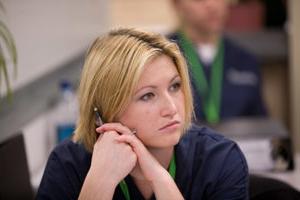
[225, 78]
[147, 147]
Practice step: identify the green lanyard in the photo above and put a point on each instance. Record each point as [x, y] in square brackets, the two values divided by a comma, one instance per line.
[211, 93]
[172, 172]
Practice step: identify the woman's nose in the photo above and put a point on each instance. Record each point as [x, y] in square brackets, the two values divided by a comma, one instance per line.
[168, 106]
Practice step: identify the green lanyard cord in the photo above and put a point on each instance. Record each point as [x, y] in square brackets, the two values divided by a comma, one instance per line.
[124, 189]
[172, 172]
[210, 93]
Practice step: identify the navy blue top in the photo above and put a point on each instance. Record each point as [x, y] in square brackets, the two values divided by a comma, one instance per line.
[208, 166]
[241, 86]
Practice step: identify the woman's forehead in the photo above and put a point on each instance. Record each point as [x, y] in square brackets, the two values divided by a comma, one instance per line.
[156, 71]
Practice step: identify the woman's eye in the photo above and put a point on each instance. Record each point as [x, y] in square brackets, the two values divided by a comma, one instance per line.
[147, 96]
[175, 86]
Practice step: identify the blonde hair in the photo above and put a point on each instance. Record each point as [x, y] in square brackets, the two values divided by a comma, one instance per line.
[111, 71]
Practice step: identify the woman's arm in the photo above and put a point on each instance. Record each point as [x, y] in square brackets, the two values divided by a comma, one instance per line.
[164, 187]
[111, 162]
[97, 188]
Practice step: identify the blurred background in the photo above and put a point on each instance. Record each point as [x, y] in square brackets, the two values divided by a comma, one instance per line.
[51, 38]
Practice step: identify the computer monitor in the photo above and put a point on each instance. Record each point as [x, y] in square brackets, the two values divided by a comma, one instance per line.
[14, 172]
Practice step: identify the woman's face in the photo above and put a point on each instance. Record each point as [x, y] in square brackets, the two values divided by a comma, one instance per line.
[156, 110]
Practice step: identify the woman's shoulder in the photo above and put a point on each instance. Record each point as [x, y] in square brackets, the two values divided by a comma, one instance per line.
[69, 150]
[70, 156]
[65, 171]
[208, 142]
[217, 165]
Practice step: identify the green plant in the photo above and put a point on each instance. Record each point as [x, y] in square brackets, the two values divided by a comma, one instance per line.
[7, 50]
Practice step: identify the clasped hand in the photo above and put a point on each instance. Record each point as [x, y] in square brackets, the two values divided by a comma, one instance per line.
[119, 152]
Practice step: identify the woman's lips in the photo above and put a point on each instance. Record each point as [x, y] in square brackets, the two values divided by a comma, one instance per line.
[170, 126]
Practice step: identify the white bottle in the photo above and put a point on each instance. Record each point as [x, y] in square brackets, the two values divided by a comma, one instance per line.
[67, 112]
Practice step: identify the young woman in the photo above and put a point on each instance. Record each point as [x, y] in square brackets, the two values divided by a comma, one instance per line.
[147, 147]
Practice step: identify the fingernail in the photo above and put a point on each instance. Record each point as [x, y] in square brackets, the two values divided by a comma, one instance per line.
[99, 129]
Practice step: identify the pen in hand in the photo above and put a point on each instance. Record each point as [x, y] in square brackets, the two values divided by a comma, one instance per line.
[99, 121]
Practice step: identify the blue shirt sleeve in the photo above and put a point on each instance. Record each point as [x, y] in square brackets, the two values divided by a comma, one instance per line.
[233, 177]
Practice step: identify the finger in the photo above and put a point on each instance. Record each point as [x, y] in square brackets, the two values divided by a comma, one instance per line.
[134, 142]
[123, 130]
[112, 134]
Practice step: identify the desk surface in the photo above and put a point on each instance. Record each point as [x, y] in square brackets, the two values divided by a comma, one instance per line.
[290, 177]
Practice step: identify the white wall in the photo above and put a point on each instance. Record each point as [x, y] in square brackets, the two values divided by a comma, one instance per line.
[47, 34]
[50, 32]
[37, 146]
[155, 15]
[40, 139]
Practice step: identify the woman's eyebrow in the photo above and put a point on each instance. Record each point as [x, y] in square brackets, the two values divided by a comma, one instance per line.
[177, 75]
